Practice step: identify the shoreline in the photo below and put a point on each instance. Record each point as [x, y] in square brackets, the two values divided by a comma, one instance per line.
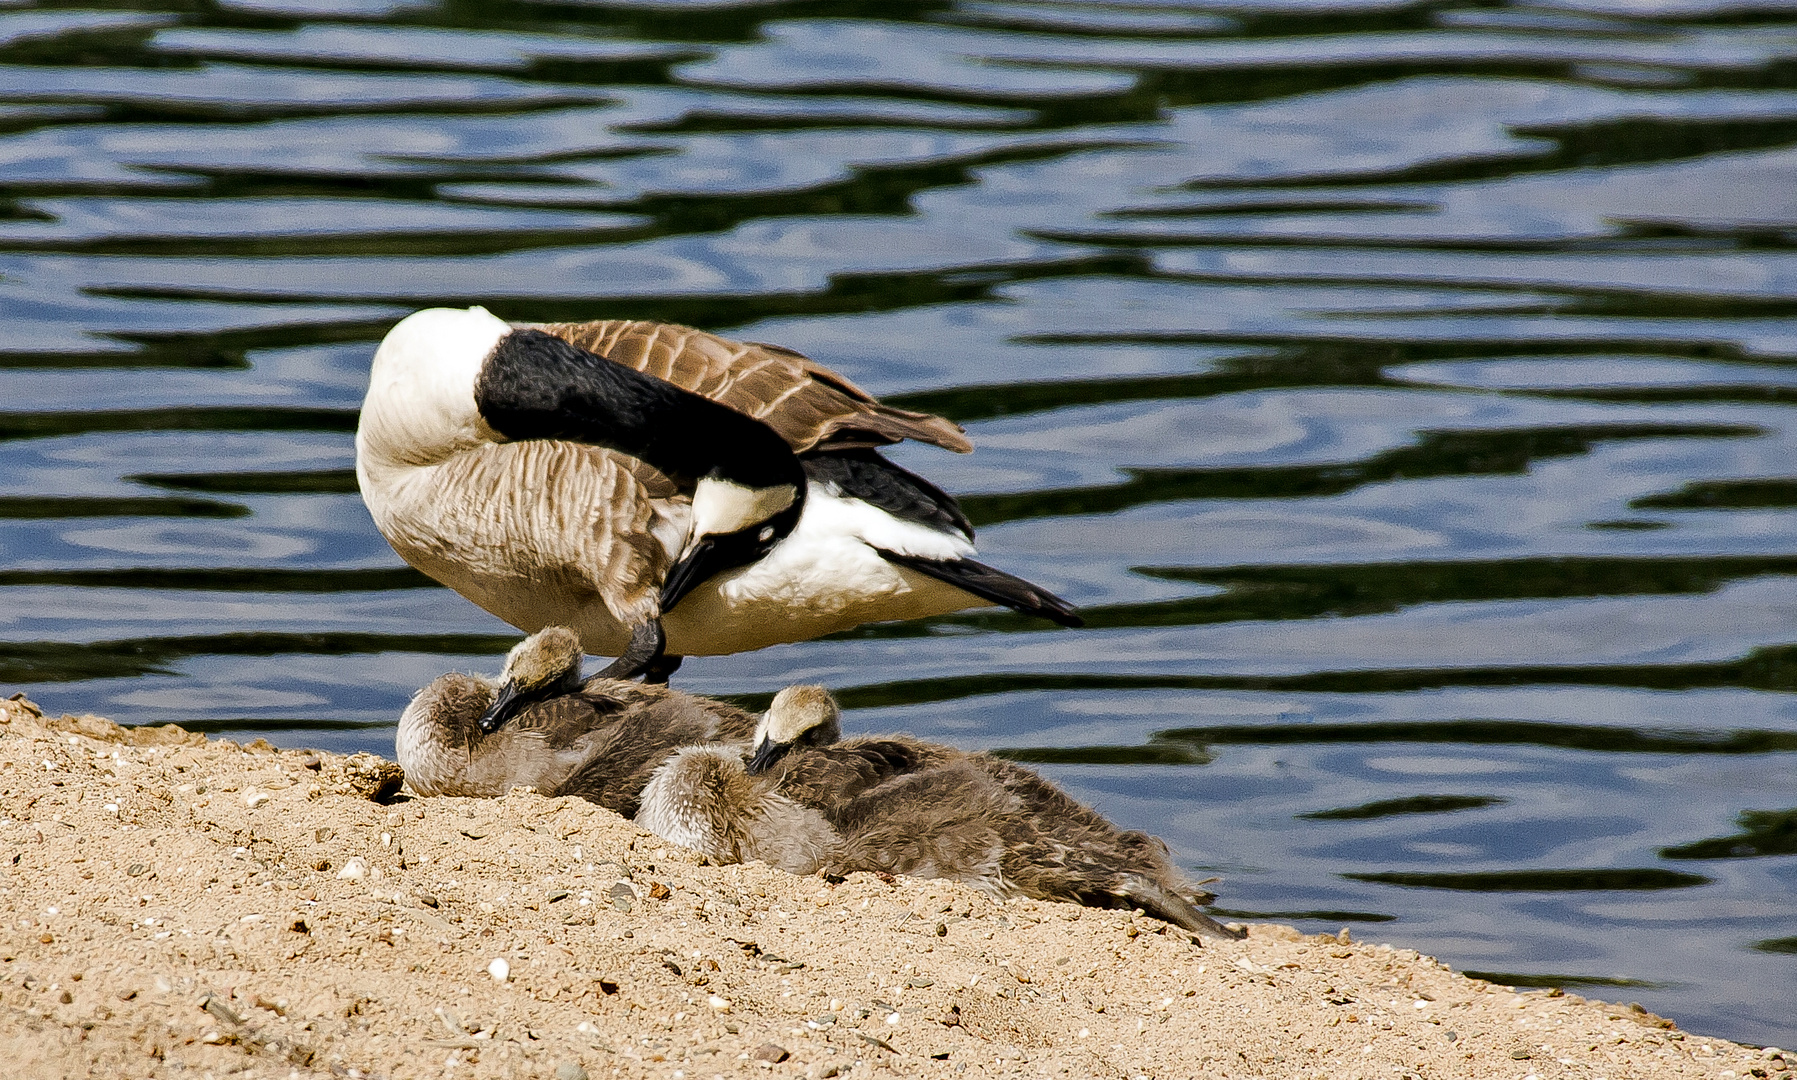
[174, 906]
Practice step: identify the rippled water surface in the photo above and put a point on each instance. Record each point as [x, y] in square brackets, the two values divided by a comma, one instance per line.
[1404, 389]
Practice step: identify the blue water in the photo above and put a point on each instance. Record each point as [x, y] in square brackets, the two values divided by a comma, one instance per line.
[1405, 390]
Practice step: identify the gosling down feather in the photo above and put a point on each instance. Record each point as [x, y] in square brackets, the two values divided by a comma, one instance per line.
[599, 739]
[807, 802]
[663, 491]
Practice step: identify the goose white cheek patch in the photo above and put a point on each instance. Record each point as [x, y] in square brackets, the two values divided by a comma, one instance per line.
[721, 506]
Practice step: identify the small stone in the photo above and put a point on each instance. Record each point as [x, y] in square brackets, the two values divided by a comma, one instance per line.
[136, 869]
[254, 797]
[427, 900]
[66, 998]
[46, 939]
[353, 870]
[772, 1053]
[718, 1003]
[623, 897]
[570, 1070]
[499, 969]
[1519, 1055]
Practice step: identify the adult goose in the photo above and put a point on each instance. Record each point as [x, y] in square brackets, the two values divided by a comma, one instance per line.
[807, 802]
[599, 739]
[663, 491]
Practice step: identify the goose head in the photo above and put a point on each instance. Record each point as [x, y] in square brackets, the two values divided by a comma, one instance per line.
[733, 525]
[544, 665]
[799, 716]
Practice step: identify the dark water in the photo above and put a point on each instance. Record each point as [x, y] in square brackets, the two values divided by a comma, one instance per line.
[1405, 389]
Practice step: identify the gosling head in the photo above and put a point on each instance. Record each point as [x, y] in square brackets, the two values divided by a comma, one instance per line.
[799, 716]
[543, 665]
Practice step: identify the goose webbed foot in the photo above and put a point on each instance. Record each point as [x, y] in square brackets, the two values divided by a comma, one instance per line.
[642, 655]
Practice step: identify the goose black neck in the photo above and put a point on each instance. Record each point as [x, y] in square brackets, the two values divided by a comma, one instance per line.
[534, 385]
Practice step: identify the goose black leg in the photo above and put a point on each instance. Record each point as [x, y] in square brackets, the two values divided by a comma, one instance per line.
[642, 654]
[660, 668]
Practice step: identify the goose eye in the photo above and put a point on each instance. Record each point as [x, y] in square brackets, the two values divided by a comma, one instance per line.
[767, 533]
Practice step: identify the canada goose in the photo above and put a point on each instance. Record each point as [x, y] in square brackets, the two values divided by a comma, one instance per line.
[594, 475]
[808, 803]
[599, 739]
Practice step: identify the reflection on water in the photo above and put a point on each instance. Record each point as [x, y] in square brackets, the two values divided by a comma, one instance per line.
[1402, 389]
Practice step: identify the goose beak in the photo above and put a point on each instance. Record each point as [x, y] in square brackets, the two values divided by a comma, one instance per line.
[765, 755]
[505, 703]
[702, 559]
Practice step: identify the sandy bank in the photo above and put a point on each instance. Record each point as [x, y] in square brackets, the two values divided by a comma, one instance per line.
[177, 907]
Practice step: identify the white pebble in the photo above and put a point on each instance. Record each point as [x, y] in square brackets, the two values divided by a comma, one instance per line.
[499, 969]
[353, 870]
[254, 797]
[111, 808]
[718, 1003]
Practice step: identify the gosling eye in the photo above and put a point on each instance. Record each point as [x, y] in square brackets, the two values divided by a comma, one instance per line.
[767, 533]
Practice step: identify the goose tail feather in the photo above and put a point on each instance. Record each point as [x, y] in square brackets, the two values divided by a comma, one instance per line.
[989, 583]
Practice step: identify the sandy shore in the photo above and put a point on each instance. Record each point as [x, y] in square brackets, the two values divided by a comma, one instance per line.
[179, 907]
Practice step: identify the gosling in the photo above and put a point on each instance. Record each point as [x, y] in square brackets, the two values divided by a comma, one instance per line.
[809, 802]
[599, 739]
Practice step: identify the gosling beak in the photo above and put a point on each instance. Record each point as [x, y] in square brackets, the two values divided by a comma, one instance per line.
[766, 755]
[506, 703]
[702, 559]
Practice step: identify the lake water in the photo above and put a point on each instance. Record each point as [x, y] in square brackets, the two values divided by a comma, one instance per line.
[1407, 392]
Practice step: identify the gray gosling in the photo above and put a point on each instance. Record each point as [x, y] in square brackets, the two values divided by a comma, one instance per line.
[599, 739]
[810, 802]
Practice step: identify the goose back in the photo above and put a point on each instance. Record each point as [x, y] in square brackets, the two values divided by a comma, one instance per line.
[810, 406]
[640, 725]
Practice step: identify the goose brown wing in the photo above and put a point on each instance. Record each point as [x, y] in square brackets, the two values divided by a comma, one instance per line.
[810, 406]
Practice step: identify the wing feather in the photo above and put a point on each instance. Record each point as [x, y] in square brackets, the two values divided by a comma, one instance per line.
[810, 406]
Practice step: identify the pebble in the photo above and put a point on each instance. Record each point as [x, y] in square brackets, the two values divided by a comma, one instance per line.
[255, 797]
[353, 870]
[771, 1052]
[570, 1070]
[499, 969]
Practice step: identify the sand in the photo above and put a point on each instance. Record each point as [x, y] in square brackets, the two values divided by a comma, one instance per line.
[182, 907]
